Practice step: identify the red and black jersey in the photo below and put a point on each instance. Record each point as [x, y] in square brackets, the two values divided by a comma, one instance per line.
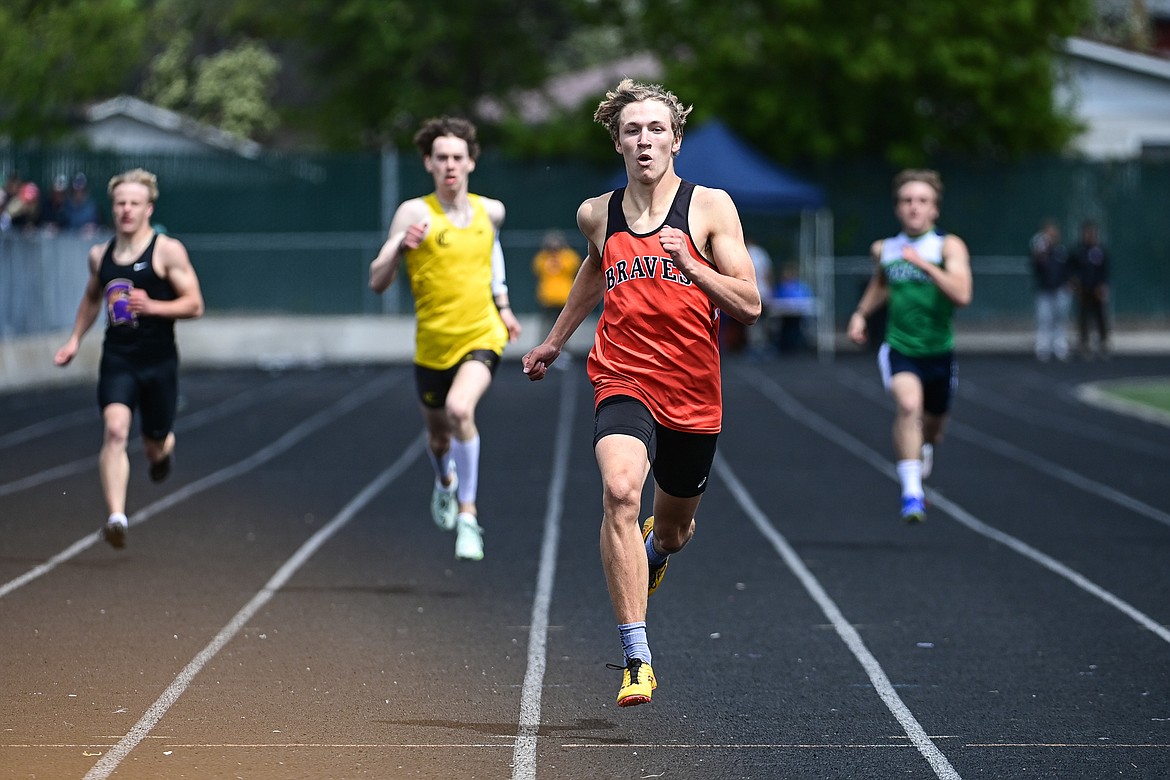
[657, 340]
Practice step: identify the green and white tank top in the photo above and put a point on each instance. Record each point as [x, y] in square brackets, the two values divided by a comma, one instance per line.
[919, 317]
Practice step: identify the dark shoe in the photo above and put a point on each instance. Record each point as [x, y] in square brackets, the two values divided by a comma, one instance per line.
[162, 469]
[114, 533]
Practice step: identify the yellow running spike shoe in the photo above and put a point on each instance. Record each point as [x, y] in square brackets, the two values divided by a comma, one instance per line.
[656, 572]
[638, 682]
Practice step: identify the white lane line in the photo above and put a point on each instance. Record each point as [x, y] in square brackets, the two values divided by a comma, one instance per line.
[1050, 563]
[110, 761]
[840, 746]
[45, 427]
[524, 752]
[1096, 394]
[1068, 476]
[735, 746]
[183, 424]
[877, 676]
[973, 393]
[92, 414]
[810, 419]
[56, 472]
[1012, 452]
[261, 456]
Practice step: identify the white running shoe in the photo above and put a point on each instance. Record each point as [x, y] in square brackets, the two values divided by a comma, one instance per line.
[445, 504]
[468, 538]
[927, 459]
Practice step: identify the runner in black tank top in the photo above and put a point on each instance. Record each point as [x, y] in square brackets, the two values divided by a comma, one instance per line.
[144, 282]
[146, 337]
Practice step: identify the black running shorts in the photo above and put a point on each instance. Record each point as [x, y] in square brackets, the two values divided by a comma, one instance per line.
[680, 461]
[433, 385]
[151, 387]
[939, 375]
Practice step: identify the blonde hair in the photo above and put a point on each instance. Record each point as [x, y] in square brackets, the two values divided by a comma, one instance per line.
[628, 91]
[136, 176]
[924, 175]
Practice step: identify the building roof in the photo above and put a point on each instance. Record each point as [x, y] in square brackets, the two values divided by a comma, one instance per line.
[162, 123]
[1121, 97]
[569, 90]
[1101, 53]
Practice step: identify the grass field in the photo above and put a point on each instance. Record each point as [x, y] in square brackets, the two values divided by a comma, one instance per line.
[1152, 394]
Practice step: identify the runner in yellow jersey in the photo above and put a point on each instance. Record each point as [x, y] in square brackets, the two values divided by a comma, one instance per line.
[450, 245]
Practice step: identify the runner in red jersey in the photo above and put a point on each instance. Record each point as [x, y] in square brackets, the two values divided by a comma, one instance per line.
[666, 256]
[658, 338]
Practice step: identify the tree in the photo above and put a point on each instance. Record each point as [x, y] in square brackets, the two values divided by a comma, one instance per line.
[802, 79]
[232, 87]
[901, 79]
[1124, 23]
[56, 55]
[363, 73]
[229, 89]
[169, 81]
[209, 71]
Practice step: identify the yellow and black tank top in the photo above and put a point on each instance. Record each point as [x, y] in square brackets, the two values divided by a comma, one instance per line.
[451, 281]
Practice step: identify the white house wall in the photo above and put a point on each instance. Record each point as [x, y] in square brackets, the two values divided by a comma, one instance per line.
[1122, 98]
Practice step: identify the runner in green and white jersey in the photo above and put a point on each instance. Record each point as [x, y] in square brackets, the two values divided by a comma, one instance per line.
[921, 275]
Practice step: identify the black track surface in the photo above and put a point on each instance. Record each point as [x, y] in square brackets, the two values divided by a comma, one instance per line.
[805, 633]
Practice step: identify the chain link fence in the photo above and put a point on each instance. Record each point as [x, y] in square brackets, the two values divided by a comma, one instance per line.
[294, 234]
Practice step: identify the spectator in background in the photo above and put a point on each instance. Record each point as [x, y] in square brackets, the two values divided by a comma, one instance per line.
[735, 336]
[757, 335]
[1053, 296]
[23, 212]
[81, 213]
[11, 187]
[53, 208]
[763, 265]
[1090, 266]
[555, 267]
[795, 302]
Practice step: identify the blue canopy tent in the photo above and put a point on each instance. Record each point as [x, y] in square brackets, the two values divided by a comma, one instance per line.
[714, 156]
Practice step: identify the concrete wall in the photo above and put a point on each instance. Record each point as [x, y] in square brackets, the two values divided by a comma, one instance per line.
[288, 342]
[253, 342]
